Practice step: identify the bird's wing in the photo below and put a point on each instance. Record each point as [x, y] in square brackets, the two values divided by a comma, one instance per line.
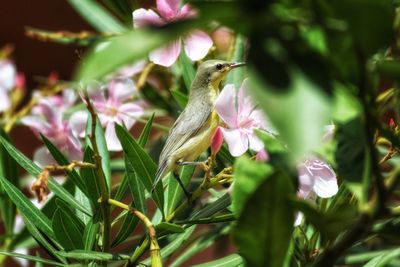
[187, 125]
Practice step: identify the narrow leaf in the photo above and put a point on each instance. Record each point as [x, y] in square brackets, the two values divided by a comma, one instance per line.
[31, 258]
[93, 255]
[228, 261]
[90, 178]
[26, 207]
[144, 166]
[97, 16]
[174, 192]
[67, 232]
[188, 70]
[180, 98]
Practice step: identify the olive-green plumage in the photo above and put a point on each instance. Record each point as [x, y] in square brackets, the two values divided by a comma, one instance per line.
[191, 133]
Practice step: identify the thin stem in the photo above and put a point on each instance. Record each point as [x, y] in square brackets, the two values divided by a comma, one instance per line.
[154, 247]
[105, 195]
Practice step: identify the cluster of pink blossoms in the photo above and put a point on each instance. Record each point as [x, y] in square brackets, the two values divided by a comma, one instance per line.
[241, 117]
[196, 44]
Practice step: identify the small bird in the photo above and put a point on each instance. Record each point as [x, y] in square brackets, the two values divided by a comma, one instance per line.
[191, 133]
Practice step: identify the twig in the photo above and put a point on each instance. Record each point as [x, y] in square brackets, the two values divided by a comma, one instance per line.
[154, 247]
[143, 76]
[105, 195]
[40, 186]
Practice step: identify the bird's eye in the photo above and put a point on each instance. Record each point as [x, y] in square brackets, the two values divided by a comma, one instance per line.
[219, 66]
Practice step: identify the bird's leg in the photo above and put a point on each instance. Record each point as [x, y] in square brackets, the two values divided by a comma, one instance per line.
[187, 193]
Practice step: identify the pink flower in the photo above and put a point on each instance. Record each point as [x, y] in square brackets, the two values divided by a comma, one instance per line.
[316, 177]
[239, 113]
[196, 44]
[7, 83]
[112, 107]
[47, 118]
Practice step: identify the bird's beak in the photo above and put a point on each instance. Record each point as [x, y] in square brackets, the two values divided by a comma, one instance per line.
[236, 65]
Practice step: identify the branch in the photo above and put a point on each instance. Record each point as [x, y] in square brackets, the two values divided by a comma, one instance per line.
[40, 186]
[154, 247]
[105, 195]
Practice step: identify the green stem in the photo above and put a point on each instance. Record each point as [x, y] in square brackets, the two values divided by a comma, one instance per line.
[105, 195]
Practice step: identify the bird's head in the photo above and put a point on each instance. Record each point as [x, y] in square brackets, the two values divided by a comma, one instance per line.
[213, 71]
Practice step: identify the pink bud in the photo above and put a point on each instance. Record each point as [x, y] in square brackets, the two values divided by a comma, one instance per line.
[53, 77]
[20, 81]
[216, 141]
[392, 124]
[262, 155]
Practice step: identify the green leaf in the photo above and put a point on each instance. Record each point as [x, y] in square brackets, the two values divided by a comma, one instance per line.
[62, 160]
[73, 218]
[353, 159]
[264, 228]
[67, 232]
[237, 76]
[136, 186]
[90, 232]
[9, 170]
[104, 153]
[97, 16]
[144, 135]
[128, 226]
[200, 244]
[188, 70]
[41, 239]
[119, 51]
[174, 192]
[90, 178]
[177, 241]
[31, 258]
[35, 170]
[384, 259]
[122, 189]
[369, 22]
[84, 201]
[213, 208]
[165, 228]
[248, 175]
[26, 207]
[228, 261]
[93, 255]
[144, 166]
[123, 8]
[180, 98]
[209, 220]
[130, 47]
[307, 111]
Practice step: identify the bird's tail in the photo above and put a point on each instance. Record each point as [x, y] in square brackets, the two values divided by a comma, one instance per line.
[162, 168]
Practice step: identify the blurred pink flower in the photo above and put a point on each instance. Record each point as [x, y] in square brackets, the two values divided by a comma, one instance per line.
[242, 117]
[112, 107]
[316, 177]
[7, 82]
[47, 118]
[196, 44]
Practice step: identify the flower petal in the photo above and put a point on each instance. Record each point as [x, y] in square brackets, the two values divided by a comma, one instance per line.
[43, 157]
[216, 141]
[36, 123]
[112, 140]
[197, 45]
[5, 102]
[255, 143]
[78, 122]
[7, 75]
[120, 90]
[129, 112]
[168, 9]
[166, 56]
[325, 184]
[146, 17]
[237, 146]
[225, 106]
